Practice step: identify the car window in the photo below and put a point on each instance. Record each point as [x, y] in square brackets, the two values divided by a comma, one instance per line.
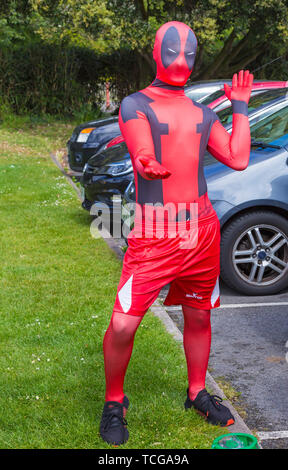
[273, 129]
[198, 94]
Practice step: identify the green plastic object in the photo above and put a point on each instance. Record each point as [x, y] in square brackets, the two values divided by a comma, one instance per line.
[235, 440]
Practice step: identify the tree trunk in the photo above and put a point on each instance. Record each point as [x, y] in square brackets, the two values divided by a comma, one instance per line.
[147, 56]
[143, 11]
[236, 50]
[242, 63]
[199, 61]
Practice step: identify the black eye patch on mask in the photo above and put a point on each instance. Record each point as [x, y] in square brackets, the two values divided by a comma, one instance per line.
[170, 47]
[190, 49]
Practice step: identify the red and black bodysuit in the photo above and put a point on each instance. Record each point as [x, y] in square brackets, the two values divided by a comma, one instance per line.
[160, 124]
[167, 135]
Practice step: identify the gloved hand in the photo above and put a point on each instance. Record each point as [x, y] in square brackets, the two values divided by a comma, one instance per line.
[241, 87]
[153, 169]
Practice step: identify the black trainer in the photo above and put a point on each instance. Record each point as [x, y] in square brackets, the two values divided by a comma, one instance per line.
[113, 424]
[210, 406]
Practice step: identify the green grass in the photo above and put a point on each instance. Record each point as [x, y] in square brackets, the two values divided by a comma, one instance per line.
[57, 290]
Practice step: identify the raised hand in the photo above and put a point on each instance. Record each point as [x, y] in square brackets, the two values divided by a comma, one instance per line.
[153, 169]
[241, 86]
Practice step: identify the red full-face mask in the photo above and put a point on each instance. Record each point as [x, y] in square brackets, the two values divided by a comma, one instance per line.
[174, 52]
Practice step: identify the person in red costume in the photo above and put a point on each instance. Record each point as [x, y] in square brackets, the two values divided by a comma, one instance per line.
[167, 135]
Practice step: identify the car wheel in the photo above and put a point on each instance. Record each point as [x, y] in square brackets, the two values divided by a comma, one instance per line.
[86, 204]
[254, 253]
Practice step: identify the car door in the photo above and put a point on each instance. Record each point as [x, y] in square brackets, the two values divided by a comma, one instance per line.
[254, 237]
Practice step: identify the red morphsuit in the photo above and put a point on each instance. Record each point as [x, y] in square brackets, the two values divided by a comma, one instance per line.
[167, 135]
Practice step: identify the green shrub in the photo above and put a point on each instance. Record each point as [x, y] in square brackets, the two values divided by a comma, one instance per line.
[44, 79]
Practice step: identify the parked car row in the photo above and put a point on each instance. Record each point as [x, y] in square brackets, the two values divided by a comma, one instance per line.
[252, 205]
[94, 136]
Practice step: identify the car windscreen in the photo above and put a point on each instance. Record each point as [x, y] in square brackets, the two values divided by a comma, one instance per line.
[198, 93]
[209, 99]
[102, 134]
[225, 115]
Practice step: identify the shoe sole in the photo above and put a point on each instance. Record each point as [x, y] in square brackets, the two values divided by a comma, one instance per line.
[223, 425]
[114, 444]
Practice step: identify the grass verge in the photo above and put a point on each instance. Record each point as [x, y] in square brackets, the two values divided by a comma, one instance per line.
[58, 286]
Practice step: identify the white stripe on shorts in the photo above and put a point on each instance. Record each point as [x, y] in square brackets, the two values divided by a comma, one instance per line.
[125, 295]
[215, 293]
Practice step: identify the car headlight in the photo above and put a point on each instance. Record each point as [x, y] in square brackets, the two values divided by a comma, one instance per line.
[84, 134]
[118, 169]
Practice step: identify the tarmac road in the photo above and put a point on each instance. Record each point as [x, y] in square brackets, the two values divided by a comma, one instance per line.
[249, 351]
[249, 348]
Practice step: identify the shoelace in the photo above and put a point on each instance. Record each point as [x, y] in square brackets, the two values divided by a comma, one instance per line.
[214, 399]
[113, 414]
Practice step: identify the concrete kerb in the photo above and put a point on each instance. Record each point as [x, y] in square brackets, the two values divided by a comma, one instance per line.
[64, 173]
[170, 326]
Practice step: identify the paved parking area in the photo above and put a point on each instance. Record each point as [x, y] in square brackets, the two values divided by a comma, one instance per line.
[250, 351]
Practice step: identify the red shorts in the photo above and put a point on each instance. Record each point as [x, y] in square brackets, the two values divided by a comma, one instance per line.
[152, 263]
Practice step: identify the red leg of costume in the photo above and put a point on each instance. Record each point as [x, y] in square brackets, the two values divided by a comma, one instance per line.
[117, 347]
[197, 341]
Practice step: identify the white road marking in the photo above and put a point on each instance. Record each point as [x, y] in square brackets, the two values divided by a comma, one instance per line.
[272, 435]
[260, 304]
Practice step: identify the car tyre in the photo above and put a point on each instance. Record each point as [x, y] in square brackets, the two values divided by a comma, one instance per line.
[248, 226]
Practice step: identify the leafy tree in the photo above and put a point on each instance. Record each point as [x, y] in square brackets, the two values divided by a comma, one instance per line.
[231, 34]
[15, 21]
[99, 40]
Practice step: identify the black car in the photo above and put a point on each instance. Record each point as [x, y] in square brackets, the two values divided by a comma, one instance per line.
[88, 138]
[252, 205]
[106, 176]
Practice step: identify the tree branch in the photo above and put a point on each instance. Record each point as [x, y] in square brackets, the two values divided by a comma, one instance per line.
[242, 63]
[241, 44]
[235, 51]
[210, 71]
